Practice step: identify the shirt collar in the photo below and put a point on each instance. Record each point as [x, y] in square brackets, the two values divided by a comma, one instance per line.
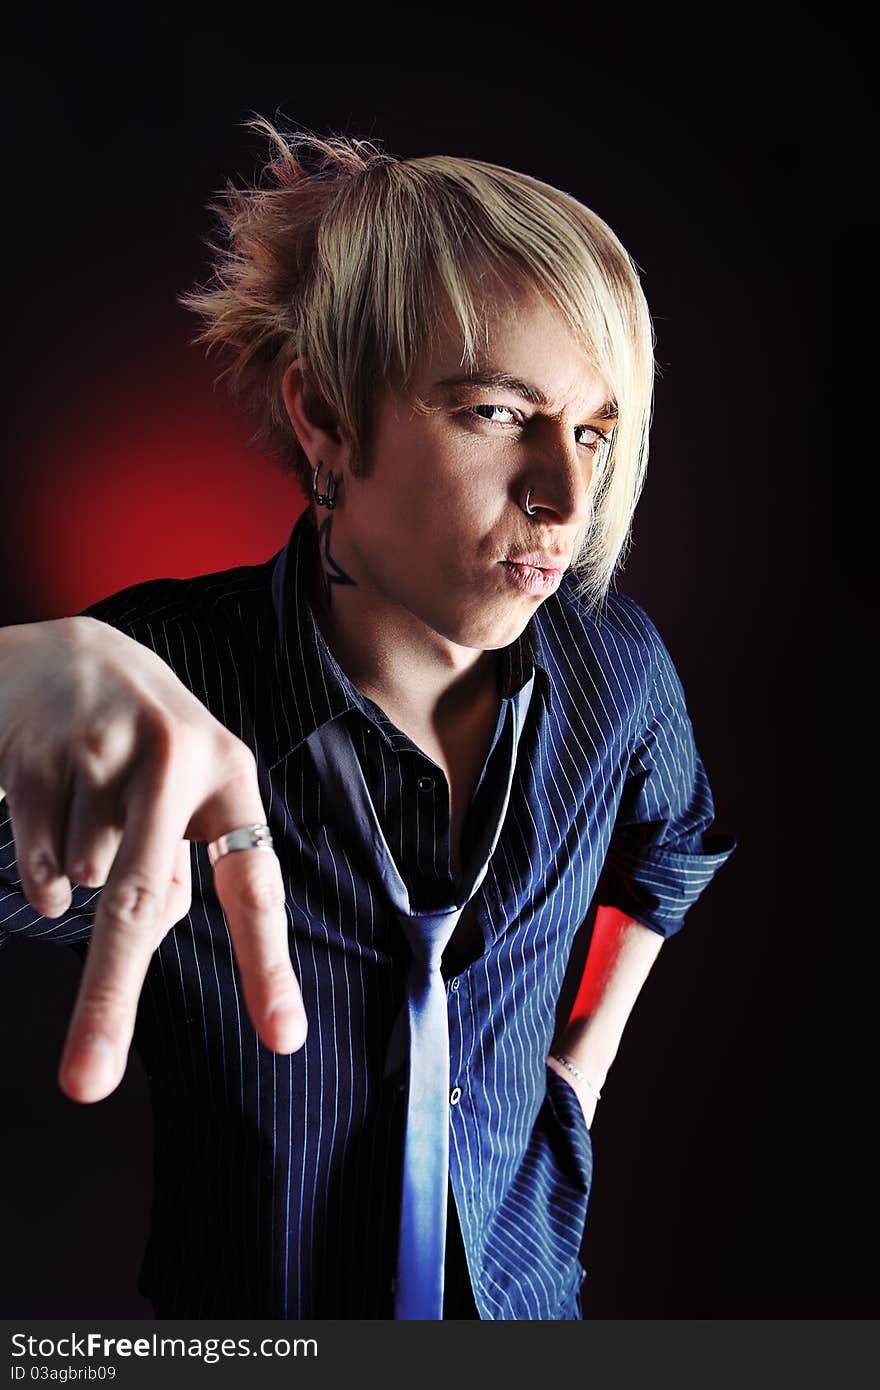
[320, 689]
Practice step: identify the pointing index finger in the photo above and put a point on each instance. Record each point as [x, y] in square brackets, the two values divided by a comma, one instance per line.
[129, 924]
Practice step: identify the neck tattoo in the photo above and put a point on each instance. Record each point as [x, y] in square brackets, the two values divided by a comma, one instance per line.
[332, 572]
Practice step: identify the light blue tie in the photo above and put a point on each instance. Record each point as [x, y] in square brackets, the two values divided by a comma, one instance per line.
[422, 1239]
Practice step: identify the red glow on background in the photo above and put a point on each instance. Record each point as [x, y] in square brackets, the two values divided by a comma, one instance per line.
[128, 495]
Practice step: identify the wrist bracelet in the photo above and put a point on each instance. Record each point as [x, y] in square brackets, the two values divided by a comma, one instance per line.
[576, 1071]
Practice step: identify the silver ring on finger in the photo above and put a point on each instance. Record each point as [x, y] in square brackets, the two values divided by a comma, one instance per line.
[255, 836]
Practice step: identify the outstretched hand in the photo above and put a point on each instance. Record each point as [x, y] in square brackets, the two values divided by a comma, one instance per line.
[110, 765]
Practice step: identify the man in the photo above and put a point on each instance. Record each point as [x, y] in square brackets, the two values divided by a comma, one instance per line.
[434, 711]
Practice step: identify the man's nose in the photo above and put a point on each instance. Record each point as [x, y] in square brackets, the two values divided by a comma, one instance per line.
[560, 474]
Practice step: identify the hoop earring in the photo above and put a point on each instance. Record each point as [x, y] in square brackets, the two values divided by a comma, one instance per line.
[324, 499]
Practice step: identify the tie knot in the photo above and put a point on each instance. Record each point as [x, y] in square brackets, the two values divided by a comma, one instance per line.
[428, 934]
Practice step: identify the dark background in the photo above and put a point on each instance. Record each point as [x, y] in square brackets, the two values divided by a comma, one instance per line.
[727, 1173]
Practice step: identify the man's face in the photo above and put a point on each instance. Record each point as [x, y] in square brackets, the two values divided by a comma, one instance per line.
[441, 512]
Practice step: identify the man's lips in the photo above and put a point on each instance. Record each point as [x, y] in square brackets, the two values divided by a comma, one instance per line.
[532, 579]
[540, 560]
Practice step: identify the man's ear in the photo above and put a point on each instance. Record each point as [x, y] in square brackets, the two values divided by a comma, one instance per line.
[312, 419]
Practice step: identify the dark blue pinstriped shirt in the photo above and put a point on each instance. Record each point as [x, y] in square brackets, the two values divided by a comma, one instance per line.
[277, 1178]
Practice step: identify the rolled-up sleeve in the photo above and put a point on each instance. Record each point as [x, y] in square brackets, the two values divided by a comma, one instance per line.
[661, 855]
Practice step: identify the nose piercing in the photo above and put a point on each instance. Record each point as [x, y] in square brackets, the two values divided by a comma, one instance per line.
[529, 510]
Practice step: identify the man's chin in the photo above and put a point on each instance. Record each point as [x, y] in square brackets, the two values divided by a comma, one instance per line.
[488, 636]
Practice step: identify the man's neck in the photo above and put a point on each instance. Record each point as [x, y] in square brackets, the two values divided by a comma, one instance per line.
[393, 658]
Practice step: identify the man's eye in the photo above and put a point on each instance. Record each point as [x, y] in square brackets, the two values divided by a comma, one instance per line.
[595, 440]
[490, 408]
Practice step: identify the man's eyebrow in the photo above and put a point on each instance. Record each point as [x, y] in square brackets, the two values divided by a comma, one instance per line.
[503, 381]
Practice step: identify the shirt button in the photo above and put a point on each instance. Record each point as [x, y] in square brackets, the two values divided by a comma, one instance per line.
[425, 784]
[455, 1095]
